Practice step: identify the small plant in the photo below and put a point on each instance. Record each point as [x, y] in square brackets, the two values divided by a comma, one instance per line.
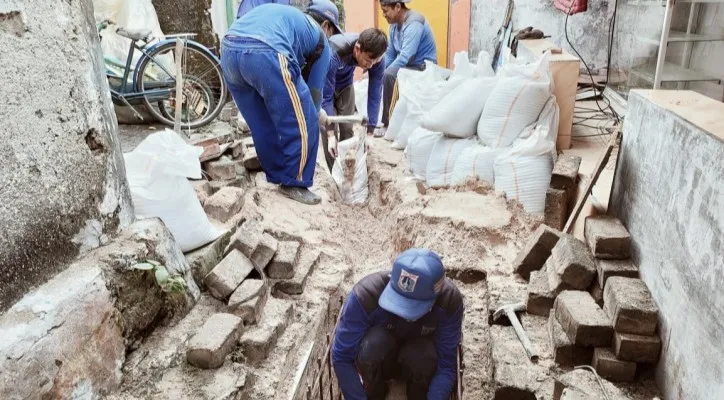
[168, 283]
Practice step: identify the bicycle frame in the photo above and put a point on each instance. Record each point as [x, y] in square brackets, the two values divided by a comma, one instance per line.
[124, 94]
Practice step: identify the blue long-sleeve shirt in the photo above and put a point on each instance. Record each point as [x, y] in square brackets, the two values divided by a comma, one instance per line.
[361, 312]
[341, 74]
[291, 33]
[248, 5]
[411, 43]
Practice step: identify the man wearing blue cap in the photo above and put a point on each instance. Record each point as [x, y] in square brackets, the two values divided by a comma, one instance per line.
[275, 60]
[401, 325]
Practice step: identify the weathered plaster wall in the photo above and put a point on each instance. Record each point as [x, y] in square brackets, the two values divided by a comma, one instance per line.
[187, 16]
[668, 192]
[587, 31]
[63, 188]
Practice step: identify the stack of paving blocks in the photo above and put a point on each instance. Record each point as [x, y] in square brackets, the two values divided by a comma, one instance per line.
[602, 314]
[561, 195]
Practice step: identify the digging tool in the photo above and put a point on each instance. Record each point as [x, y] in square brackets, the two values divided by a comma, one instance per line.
[503, 32]
[347, 119]
[509, 311]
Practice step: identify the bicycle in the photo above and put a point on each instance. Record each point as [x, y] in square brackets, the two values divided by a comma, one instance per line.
[152, 81]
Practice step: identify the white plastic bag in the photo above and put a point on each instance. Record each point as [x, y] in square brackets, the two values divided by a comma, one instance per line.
[458, 113]
[418, 151]
[361, 93]
[483, 67]
[515, 102]
[442, 160]
[157, 172]
[476, 161]
[131, 15]
[524, 171]
[397, 119]
[410, 125]
[350, 171]
[106, 9]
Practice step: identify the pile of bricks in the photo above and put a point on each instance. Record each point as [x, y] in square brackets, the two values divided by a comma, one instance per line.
[599, 312]
[255, 265]
[561, 195]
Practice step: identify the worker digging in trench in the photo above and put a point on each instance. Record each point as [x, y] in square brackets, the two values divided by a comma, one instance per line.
[405, 324]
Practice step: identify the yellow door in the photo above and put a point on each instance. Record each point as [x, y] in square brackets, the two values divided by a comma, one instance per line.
[437, 14]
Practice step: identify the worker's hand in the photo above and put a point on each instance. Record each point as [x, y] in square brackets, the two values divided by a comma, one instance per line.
[332, 145]
[323, 121]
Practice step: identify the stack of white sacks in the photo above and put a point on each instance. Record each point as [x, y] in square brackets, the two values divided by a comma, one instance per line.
[471, 123]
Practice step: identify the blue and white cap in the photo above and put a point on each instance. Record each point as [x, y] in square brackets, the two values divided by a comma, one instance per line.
[417, 278]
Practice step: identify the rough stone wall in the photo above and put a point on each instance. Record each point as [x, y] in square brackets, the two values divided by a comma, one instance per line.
[587, 31]
[62, 180]
[187, 16]
[668, 192]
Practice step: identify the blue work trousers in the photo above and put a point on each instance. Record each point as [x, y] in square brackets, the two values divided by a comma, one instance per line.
[272, 96]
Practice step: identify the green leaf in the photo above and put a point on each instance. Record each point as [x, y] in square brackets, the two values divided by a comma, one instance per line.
[143, 266]
[154, 263]
[161, 275]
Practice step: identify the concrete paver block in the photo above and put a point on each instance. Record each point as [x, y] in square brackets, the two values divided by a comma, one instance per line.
[308, 260]
[636, 348]
[540, 297]
[596, 292]
[611, 368]
[573, 262]
[565, 353]
[228, 275]
[285, 260]
[582, 319]
[256, 343]
[629, 304]
[225, 203]
[222, 169]
[248, 300]
[247, 238]
[607, 237]
[565, 176]
[536, 251]
[220, 184]
[213, 342]
[204, 259]
[264, 251]
[555, 283]
[609, 268]
[556, 208]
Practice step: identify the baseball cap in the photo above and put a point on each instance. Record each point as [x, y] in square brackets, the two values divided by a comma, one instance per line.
[416, 280]
[327, 10]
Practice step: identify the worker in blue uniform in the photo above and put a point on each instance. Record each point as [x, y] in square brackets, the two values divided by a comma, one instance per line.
[248, 5]
[404, 325]
[411, 44]
[349, 51]
[275, 60]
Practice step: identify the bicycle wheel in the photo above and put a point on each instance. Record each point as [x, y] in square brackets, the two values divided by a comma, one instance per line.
[204, 90]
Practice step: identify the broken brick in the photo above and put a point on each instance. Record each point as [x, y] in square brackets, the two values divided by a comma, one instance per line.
[228, 275]
[555, 283]
[248, 300]
[609, 268]
[556, 208]
[609, 367]
[256, 343]
[636, 348]
[264, 251]
[607, 237]
[223, 169]
[308, 260]
[629, 304]
[213, 342]
[218, 185]
[536, 251]
[565, 353]
[247, 238]
[251, 160]
[573, 262]
[582, 319]
[540, 297]
[225, 203]
[285, 260]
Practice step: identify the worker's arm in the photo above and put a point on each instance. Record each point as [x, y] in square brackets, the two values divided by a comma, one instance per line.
[352, 326]
[391, 53]
[374, 94]
[447, 339]
[412, 33]
[318, 75]
[330, 85]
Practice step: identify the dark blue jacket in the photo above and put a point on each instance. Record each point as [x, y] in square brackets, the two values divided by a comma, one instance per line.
[341, 75]
[361, 312]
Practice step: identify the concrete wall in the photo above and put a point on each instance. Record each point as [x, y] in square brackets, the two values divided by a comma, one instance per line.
[668, 192]
[62, 180]
[187, 16]
[587, 31]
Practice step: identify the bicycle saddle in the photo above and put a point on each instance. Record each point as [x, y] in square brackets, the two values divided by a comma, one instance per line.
[134, 34]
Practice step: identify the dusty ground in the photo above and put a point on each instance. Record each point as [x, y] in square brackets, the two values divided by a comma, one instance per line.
[476, 232]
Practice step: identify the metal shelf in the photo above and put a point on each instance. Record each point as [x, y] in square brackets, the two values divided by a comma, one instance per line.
[674, 73]
[683, 37]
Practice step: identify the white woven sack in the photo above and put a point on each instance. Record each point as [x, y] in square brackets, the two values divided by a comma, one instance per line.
[524, 171]
[418, 151]
[476, 161]
[350, 171]
[458, 113]
[515, 103]
[411, 124]
[396, 120]
[442, 160]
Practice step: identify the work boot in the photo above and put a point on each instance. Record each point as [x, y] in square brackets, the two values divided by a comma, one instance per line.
[300, 194]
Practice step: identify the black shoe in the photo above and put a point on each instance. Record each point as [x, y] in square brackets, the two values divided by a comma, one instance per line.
[300, 194]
